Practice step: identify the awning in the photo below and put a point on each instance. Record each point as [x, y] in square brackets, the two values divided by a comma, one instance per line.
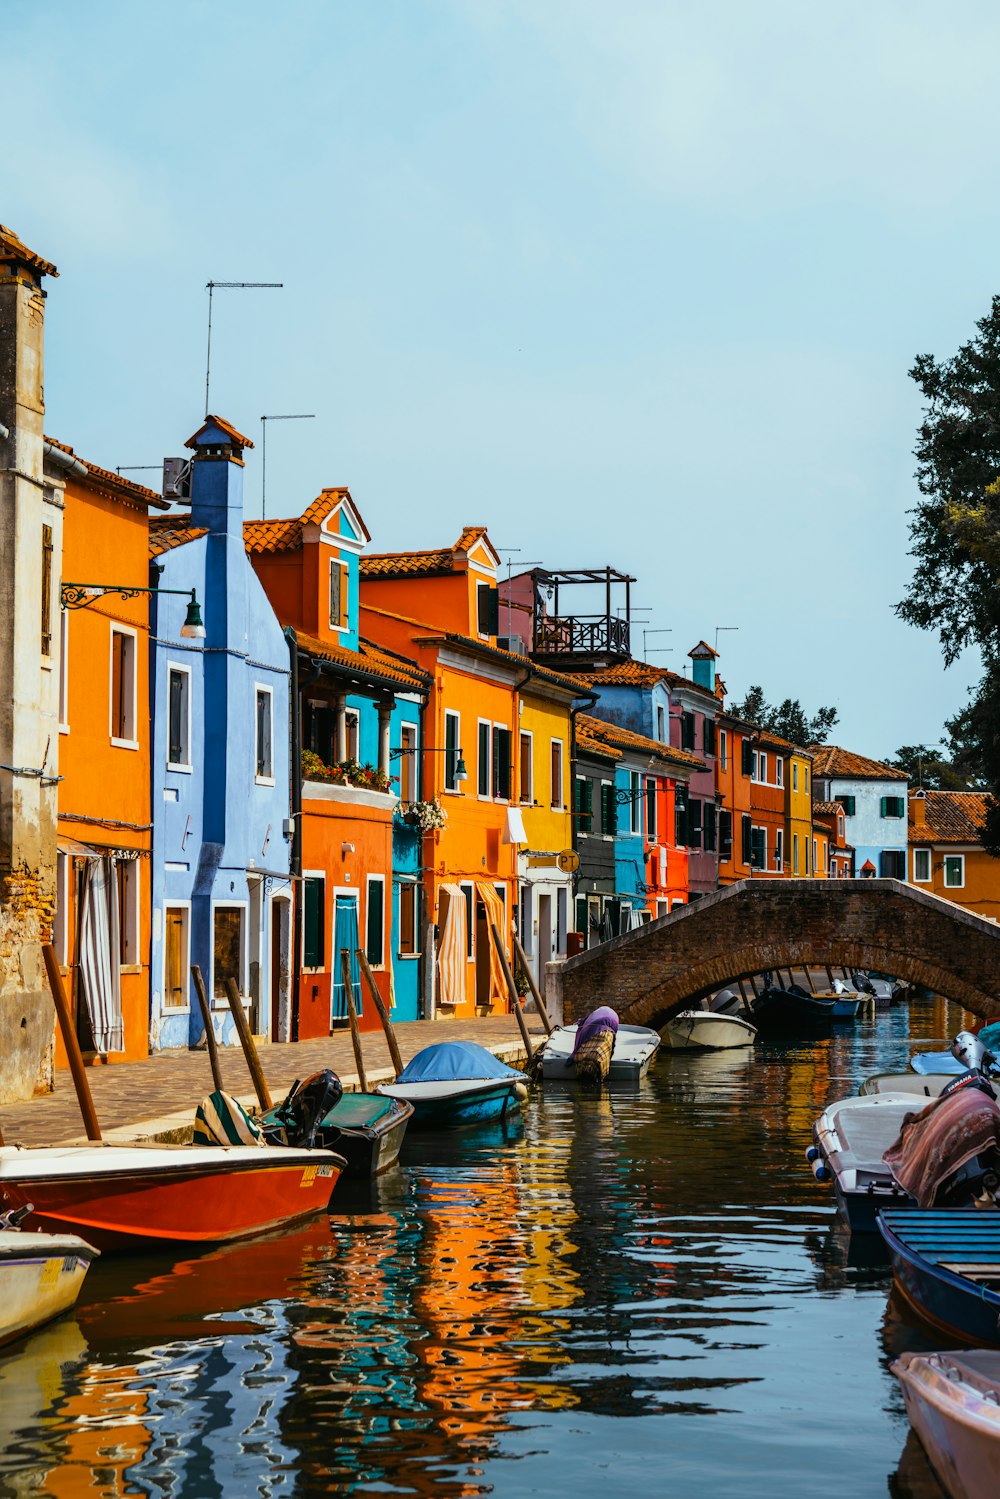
[78, 850]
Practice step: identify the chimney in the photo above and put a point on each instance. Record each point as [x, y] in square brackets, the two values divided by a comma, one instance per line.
[918, 801]
[703, 660]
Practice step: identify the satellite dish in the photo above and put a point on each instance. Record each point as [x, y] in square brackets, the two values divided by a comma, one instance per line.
[568, 861]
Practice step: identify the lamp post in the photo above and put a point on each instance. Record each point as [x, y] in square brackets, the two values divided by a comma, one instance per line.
[79, 595]
[461, 774]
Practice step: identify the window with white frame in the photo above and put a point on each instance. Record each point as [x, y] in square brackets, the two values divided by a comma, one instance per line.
[661, 724]
[338, 593]
[779, 771]
[815, 865]
[314, 922]
[526, 921]
[176, 958]
[724, 749]
[779, 849]
[352, 724]
[795, 776]
[452, 748]
[557, 774]
[178, 717]
[408, 763]
[228, 949]
[127, 875]
[265, 736]
[526, 794]
[375, 921]
[60, 917]
[484, 762]
[921, 866]
[954, 871]
[123, 688]
[408, 920]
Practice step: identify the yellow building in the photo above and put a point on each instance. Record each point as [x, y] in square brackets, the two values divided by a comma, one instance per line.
[545, 878]
[798, 815]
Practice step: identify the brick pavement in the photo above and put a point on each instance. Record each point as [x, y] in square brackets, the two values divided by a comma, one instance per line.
[157, 1098]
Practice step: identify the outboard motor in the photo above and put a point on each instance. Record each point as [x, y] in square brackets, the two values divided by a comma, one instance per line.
[306, 1106]
[862, 982]
[972, 1053]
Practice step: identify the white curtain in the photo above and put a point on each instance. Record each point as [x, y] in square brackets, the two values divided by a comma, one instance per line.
[100, 946]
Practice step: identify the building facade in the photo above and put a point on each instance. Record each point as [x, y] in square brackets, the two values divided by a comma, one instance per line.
[946, 855]
[874, 799]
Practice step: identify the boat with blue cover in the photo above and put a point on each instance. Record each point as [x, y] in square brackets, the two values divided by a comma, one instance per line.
[933, 1063]
[455, 1083]
[946, 1265]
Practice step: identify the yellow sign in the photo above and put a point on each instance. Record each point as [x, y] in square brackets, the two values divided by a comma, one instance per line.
[308, 1176]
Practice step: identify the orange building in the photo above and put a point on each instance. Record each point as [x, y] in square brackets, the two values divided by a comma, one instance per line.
[770, 756]
[946, 855]
[734, 771]
[102, 919]
[441, 609]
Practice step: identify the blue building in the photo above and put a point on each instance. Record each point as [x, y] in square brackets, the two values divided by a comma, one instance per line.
[221, 872]
[874, 799]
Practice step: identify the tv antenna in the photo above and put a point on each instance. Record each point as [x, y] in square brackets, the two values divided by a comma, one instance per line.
[658, 650]
[297, 416]
[210, 287]
[719, 630]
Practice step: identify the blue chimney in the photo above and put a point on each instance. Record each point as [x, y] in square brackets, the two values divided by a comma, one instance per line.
[703, 660]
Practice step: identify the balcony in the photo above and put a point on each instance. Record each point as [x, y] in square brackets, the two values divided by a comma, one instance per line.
[582, 635]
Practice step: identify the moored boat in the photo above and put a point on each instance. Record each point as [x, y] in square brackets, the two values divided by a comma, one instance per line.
[851, 1138]
[703, 1030]
[122, 1198]
[41, 1276]
[953, 1402]
[455, 1083]
[792, 1009]
[936, 1063]
[918, 1085]
[367, 1129]
[634, 1048]
[946, 1264]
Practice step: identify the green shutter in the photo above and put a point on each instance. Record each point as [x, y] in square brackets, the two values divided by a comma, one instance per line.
[313, 944]
[451, 751]
[483, 766]
[609, 810]
[501, 763]
[375, 923]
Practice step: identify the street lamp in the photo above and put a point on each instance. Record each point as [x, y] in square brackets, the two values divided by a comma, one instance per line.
[79, 595]
[461, 774]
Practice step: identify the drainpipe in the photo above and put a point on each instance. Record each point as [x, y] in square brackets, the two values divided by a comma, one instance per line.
[295, 712]
[64, 461]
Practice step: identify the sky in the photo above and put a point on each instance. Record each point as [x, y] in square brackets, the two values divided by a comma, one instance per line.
[634, 284]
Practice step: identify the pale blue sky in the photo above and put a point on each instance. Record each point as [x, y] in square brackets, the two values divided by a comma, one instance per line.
[630, 283]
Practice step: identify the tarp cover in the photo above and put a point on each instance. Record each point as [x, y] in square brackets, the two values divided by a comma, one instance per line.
[450, 1060]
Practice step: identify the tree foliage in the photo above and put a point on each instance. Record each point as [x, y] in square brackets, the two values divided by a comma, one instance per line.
[788, 720]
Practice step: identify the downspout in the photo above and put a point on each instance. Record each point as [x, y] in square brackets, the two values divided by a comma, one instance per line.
[585, 702]
[295, 720]
[63, 460]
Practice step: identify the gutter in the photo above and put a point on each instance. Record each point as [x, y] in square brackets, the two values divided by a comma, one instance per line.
[294, 712]
[62, 460]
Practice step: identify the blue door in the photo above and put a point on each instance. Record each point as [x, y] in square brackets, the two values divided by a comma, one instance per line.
[345, 934]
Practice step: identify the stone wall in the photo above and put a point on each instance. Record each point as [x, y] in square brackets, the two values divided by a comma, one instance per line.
[26, 1009]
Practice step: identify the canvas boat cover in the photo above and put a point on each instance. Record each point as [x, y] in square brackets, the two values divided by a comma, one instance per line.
[451, 1061]
[358, 1111]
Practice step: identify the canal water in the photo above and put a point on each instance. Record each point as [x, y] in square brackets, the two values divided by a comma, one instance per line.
[640, 1292]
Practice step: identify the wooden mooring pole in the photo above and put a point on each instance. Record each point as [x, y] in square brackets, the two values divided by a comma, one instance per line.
[515, 998]
[206, 1015]
[519, 953]
[379, 1003]
[71, 1043]
[352, 1015]
[247, 1043]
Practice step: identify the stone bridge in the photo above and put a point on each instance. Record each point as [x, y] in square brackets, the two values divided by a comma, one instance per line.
[755, 925]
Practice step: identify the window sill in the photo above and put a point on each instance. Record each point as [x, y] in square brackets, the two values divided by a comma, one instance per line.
[263, 780]
[174, 1010]
[182, 770]
[64, 728]
[130, 968]
[129, 744]
[408, 957]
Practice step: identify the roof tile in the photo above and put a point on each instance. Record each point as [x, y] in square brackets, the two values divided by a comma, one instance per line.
[831, 760]
[951, 816]
[626, 739]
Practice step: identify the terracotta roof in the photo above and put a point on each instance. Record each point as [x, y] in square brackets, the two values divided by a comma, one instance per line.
[496, 652]
[703, 652]
[594, 746]
[826, 809]
[169, 531]
[421, 564]
[14, 249]
[952, 816]
[271, 535]
[766, 737]
[370, 660]
[227, 427]
[124, 487]
[641, 674]
[831, 760]
[626, 739]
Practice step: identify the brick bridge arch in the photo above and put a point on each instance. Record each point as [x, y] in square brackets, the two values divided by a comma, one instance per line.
[885, 925]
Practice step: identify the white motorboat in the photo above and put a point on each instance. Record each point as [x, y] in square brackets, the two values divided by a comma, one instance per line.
[635, 1047]
[953, 1402]
[705, 1030]
[40, 1278]
[917, 1085]
[852, 1136]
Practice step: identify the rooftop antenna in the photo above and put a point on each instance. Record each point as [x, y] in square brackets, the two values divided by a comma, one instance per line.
[210, 286]
[298, 416]
[719, 630]
[658, 650]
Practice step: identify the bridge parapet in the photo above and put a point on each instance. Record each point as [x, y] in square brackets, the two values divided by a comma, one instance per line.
[650, 973]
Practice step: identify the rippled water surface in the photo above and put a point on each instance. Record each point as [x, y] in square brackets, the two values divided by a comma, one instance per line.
[640, 1292]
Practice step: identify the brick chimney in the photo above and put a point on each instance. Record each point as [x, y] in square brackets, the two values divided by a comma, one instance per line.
[918, 802]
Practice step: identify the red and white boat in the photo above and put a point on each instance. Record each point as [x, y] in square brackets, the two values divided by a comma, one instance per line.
[130, 1197]
[953, 1402]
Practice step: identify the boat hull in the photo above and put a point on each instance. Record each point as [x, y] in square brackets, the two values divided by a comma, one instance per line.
[954, 1304]
[776, 1009]
[699, 1030]
[957, 1418]
[635, 1048]
[41, 1276]
[451, 1106]
[369, 1139]
[182, 1194]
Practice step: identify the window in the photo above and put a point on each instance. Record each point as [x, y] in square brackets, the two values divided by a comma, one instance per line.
[661, 724]
[779, 771]
[762, 768]
[408, 763]
[525, 923]
[314, 922]
[747, 756]
[127, 876]
[687, 731]
[557, 773]
[227, 949]
[746, 840]
[375, 922]
[123, 688]
[921, 866]
[805, 778]
[893, 806]
[64, 670]
[892, 864]
[352, 720]
[848, 803]
[469, 891]
[805, 842]
[725, 833]
[46, 590]
[60, 916]
[176, 967]
[452, 747]
[484, 779]
[526, 790]
[651, 810]
[815, 864]
[758, 848]
[710, 827]
[561, 919]
[840, 826]
[634, 802]
[178, 718]
[723, 749]
[487, 609]
[795, 776]
[335, 593]
[795, 853]
[408, 946]
[779, 849]
[583, 793]
[954, 871]
[609, 810]
[708, 735]
[265, 734]
[693, 828]
[680, 814]
[501, 763]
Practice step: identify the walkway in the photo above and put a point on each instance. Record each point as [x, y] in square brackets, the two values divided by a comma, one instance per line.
[156, 1099]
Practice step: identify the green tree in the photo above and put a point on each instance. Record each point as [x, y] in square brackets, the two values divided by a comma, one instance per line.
[789, 720]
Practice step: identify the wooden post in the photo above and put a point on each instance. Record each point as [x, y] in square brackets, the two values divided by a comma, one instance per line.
[71, 1043]
[829, 975]
[383, 1013]
[753, 985]
[743, 994]
[247, 1043]
[352, 1015]
[430, 974]
[809, 979]
[519, 953]
[206, 1015]
[515, 998]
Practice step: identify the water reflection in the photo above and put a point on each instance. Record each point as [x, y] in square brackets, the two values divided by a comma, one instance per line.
[511, 1310]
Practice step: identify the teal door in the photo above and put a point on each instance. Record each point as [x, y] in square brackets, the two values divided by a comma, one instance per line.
[345, 934]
